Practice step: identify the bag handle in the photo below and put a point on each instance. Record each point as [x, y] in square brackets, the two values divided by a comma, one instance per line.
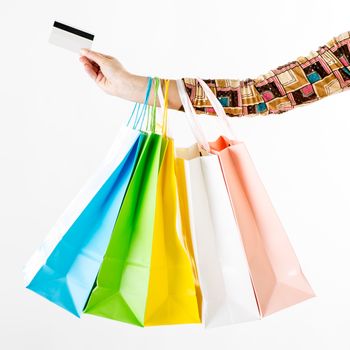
[191, 116]
[163, 100]
[219, 109]
[141, 114]
[154, 107]
[165, 112]
[151, 109]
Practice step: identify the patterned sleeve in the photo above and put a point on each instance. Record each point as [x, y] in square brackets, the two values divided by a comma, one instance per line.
[307, 79]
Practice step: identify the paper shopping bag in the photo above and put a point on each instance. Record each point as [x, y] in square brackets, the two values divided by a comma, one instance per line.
[228, 295]
[122, 282]
[276, 274]
[121, 287]
[172, 297]
[64, 268]
[184, 223]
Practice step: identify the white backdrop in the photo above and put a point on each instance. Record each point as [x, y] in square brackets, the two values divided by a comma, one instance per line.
[56, 126]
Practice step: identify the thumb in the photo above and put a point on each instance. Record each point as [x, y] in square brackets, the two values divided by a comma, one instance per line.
[97, 57]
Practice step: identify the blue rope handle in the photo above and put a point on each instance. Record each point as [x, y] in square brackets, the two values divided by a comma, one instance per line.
[145, 104]
[137, 104]
[133, 111]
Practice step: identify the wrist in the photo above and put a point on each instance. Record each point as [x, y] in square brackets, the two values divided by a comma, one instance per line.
[121, 83]
[131, 87]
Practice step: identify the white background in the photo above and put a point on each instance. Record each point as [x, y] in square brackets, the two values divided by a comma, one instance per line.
[56, 126]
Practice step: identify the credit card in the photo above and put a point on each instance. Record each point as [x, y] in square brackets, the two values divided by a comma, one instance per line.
[70, 38]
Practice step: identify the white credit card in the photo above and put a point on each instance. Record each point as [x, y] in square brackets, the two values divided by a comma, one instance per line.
[70, 38]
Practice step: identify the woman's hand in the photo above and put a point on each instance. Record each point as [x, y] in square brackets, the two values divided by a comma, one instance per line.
[107, 72]
[110, 75]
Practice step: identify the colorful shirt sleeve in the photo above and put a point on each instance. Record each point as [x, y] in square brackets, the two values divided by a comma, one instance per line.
[307, 79]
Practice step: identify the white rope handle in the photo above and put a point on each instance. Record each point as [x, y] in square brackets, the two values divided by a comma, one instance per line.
[219, 110]
[191, 116]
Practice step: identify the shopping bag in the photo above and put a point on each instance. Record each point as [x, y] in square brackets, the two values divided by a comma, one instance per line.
[184, 223]
[276, 274]
[146, 277]
[122, 282]
[228, 295]
[172, 297]
[173, 292]
[64, 268]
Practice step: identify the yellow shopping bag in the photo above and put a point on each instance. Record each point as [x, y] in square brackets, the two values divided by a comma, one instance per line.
[172, 295]
[186, 233]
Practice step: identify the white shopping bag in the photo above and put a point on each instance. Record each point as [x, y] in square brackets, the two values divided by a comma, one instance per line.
[227, 292]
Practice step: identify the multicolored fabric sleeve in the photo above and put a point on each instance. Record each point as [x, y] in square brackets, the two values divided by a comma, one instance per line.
[307, 79]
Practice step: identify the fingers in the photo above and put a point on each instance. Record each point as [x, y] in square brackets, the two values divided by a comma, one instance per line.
[92, 73]
[90, 67]
[94, 56]
[85, 60]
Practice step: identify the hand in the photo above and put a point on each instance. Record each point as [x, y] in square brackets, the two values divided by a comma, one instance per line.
[110, 75]
[107, 72]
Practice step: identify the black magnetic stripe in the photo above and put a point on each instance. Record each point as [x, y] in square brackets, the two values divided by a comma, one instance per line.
[73, 30]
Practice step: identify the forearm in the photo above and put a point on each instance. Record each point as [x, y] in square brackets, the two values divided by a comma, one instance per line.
[133, 88]
[305, 80]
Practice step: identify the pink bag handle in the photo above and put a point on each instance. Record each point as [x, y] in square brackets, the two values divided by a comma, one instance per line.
[219, 109]
[192, 117]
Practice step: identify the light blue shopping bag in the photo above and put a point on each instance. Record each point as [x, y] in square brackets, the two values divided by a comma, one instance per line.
[64, 268]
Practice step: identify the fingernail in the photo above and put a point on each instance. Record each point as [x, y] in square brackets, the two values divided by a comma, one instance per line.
[83, 51]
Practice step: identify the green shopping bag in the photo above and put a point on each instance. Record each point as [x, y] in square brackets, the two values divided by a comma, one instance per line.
[121, 288]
